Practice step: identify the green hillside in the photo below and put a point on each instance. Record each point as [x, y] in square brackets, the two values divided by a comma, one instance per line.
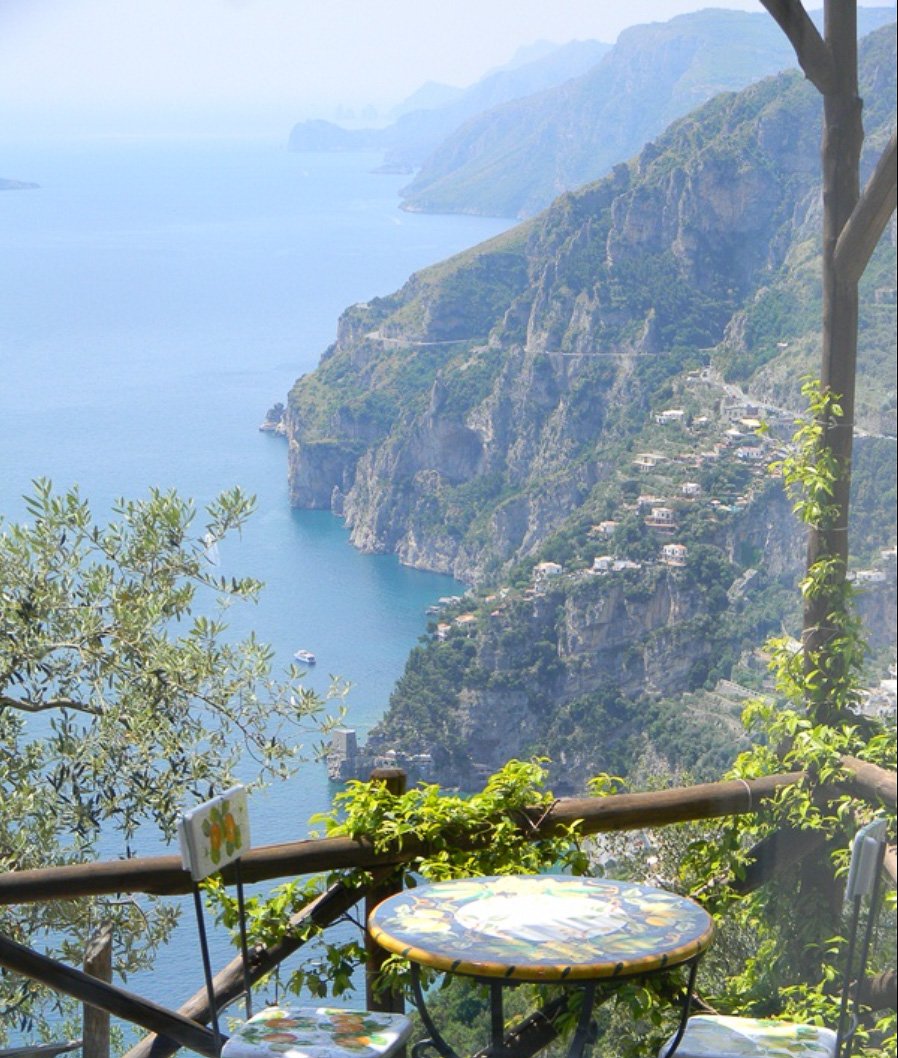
[566, 418]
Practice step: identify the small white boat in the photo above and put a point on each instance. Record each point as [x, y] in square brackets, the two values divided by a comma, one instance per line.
[305, 656]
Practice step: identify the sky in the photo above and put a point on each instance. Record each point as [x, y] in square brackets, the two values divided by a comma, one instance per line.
[105, 64]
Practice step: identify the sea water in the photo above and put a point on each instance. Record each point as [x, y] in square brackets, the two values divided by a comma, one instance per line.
[156, 297]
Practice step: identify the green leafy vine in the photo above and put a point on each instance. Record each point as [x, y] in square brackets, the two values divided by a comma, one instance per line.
[444, 835]
[795, 918]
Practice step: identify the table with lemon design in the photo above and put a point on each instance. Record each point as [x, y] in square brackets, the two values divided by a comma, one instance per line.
[549, 929]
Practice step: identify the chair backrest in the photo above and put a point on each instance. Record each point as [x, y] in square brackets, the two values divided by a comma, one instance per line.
[213, 835]
[864, 880]
[867, 853]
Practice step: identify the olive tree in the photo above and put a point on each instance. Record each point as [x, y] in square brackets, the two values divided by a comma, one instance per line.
[122, 695]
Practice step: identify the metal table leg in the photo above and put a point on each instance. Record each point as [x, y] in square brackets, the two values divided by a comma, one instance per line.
[435, 1038]
[497, 1016]
[581, 1033]
[687, 1006]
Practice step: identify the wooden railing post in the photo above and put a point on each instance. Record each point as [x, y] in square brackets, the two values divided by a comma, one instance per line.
[97, 963]
[394, 779]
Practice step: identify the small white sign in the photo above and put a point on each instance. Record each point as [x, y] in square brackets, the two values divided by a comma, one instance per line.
[214, 833]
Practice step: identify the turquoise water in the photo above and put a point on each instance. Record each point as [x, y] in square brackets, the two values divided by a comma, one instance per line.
[155, 299]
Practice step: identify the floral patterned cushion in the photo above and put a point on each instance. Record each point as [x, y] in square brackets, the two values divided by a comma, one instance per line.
[716, 1036]
[322, 1032]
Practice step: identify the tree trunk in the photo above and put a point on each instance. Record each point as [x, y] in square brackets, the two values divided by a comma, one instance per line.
[843, 137]
[842, 140]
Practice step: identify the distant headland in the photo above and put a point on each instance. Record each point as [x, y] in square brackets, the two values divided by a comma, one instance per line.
[16, 185]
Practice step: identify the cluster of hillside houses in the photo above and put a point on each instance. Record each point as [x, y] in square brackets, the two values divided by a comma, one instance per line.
[739, 437]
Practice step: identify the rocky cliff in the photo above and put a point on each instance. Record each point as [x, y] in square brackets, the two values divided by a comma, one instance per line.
[579, 665]
[566, 418]
[459, 421]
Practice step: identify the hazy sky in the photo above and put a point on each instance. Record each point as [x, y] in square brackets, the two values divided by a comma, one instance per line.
[179, 62]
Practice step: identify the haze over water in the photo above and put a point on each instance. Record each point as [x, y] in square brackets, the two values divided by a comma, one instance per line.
[156, 297]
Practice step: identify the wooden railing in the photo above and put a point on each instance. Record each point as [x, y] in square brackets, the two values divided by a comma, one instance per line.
[164, 875]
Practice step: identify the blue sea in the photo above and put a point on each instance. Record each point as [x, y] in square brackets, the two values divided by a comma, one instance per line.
[156, 297]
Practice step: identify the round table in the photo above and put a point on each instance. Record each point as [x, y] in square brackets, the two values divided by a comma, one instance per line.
[542, 928]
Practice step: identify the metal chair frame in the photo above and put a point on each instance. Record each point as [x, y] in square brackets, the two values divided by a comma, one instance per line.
[214, 835]
[193, 861]
[864, 879]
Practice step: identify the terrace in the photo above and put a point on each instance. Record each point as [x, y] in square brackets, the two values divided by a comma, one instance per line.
[341, 858]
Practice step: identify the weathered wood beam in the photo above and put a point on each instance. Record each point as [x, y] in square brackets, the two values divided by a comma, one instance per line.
[813, 55]
[774, 854]
[871, 783]
[868, 219]
[117, 1001]
[392, 1001]
[843, 137]
[533, 1034]
[97, 963]
[656, 808]
[165, 875]
[41, 1050]
[880, 992]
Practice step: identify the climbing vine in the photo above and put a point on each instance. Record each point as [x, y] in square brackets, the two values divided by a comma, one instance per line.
[823, 677]
[487, 833]
[795, 917]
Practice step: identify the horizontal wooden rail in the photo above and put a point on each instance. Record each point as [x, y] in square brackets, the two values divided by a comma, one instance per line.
[42, 1050]
[165, 875]
[871, 783]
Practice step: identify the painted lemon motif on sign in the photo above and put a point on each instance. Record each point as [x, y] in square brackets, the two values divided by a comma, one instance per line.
[222, 829]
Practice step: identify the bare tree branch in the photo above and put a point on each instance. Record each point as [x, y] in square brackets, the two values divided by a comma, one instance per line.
[869, 217]
[810, 49]
[26, 705]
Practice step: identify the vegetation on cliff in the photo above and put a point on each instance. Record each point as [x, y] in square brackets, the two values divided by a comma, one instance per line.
[461, 419]
[595, 413]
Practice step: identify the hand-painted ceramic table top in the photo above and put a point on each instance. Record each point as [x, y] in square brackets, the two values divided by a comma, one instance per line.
[542, 927]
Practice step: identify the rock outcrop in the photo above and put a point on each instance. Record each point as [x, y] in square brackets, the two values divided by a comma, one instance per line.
[461, 420]
[564, 417]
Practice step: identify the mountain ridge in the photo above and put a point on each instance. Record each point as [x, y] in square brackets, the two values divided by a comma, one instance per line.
[415, 133]
[575, 132]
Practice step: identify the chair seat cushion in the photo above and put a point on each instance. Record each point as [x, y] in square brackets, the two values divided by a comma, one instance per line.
[718, 1036]
[318, 1032]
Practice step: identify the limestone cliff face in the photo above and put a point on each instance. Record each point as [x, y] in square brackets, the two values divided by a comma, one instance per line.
[635, 640]
[489, 416]
[641, 634]
[460, 421]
